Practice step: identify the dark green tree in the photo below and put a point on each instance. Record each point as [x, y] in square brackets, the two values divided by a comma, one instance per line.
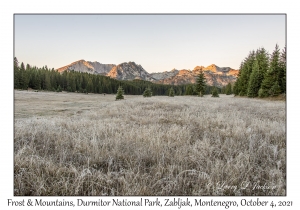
[23, 77]
[90, 86]
[147, 92]
[171, 92]
[16, 73]
[259, 69]
[189, 90]
[282, 74]
[201, 84]
[120, 93]
[255, 81]
[16, 62]
[215, 92]
[228, 89]
[271, 76]
[58, 89]
[249, 78]
[275, 89]
[244, 75]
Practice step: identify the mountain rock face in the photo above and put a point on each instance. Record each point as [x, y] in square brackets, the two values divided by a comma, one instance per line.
[129, 71]
[215, 76]
[165, 74]
[88, 66]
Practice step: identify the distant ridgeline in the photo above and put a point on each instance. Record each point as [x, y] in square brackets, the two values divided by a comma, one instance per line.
[261, 74]
[83, 82]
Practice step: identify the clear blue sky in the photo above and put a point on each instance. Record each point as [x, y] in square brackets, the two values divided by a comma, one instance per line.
[157, 42]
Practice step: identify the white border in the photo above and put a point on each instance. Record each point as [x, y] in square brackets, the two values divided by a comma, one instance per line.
[8, 8]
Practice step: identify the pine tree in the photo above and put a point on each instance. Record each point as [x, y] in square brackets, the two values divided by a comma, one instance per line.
[282, 76]
[171, 92]
[47, 83]
[16, 73]
[58, 89]
[271, 76]
[147, 92]
[215, 92]
[120, 93]
[244, 75]
[254, 83]
[275, 89]
[201, 83]
[260, 67]
[237, 84]
[223, 89]
[189, 90]
[23, 77]
[16, 62]
[90, 86]
[228, 90]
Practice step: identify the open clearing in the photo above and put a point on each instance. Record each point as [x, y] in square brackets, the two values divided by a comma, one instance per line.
[90, 144]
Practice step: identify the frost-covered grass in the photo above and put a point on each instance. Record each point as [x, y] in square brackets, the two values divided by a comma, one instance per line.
[77, 144]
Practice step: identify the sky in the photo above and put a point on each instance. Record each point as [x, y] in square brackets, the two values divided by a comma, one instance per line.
[157, 42]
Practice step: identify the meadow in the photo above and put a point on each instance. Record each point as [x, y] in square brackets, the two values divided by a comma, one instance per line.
[89, 144]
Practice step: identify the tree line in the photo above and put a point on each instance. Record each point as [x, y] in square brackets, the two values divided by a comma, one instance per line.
[44, 78]
[261, 74]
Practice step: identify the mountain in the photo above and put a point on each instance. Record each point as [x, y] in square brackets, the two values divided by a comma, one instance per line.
[215, 75]
[187, 76]
[129, 71]
[164, 75]
[88, 66]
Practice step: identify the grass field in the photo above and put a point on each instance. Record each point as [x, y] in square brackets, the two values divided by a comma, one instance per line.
[79, 144]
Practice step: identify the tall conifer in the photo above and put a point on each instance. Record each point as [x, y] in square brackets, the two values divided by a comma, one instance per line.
[272, 76]
[201, 83]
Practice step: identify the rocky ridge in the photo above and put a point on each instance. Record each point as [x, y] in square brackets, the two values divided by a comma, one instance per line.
[129, 71]
[215, 75]
[88, 66]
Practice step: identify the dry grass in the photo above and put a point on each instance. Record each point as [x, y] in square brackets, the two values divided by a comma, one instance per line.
[77, 144]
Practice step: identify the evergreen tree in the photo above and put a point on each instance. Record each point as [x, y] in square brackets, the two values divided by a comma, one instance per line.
[16, 74]
[89, 87]
[189, 90]
[120, 93]
[254, 83]
[271, 76]
[275, 89]
[59, 89]
[228, 90]
[201, 83]
[36, 80]
[46, 82]
[171, 92]
[215, 92]
[282, 75]
[237, 84]
[147, 92]
[223, 89]
[23, 79]
[260, 67]
[16, 62]
[244, 74]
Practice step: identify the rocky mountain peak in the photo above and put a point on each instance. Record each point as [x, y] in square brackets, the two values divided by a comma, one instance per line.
[87, 66]
[129, 71]
[215, 75]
